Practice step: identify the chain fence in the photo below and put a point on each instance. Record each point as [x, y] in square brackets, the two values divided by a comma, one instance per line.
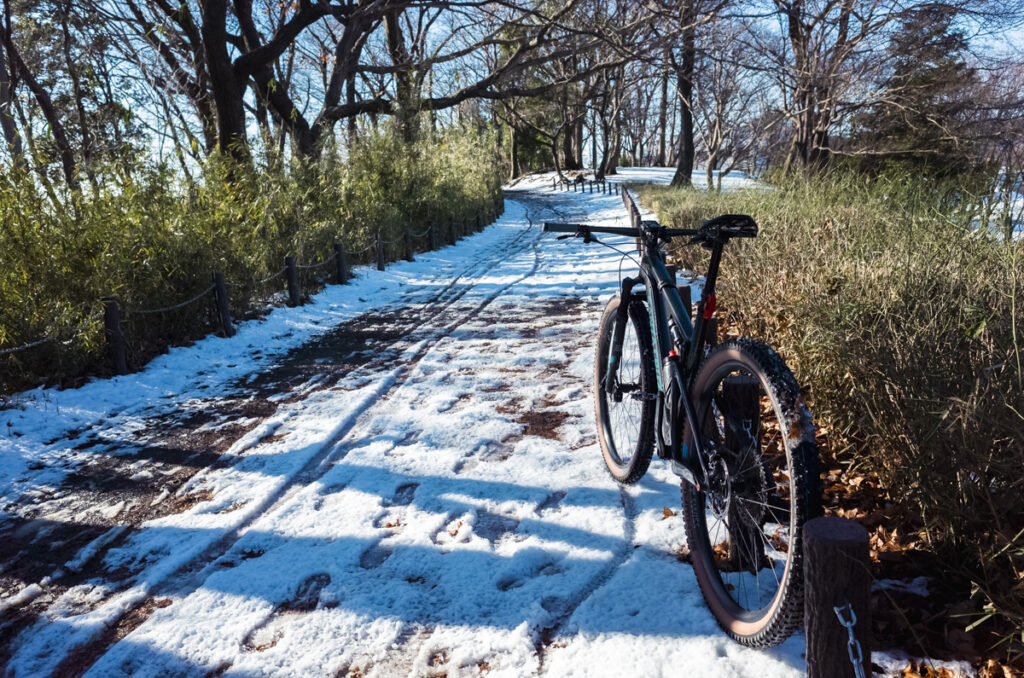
[175, 307]
[45, 340]
[219, 296]
[258, 283]
[853, 647]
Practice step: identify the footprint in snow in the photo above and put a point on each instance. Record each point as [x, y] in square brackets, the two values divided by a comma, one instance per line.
[306, 598]
[550, 501]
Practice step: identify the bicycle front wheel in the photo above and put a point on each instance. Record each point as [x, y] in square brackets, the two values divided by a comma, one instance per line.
[625, 407]
[744, 527]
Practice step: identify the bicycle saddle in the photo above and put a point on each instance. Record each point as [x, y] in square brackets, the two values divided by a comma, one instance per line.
[728, 226]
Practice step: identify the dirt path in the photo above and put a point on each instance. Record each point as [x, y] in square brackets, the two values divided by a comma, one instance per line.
[415, 491]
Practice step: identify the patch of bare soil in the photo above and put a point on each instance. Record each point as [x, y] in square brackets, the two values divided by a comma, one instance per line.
[543, 423]
[79, 661]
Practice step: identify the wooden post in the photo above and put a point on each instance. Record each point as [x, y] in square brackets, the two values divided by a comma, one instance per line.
[432, 236]
[452, 237]
[115, 338]
[341, 274]
[380, 252]
[836, 574]
[292, 276]
[684, 294]
[220, 297]
[711, 333]
[408, 245]
[479, 227]
[741, 406]
[553, 179]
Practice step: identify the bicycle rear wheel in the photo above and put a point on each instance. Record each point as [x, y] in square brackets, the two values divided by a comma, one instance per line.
[744, 527]
[625, 408]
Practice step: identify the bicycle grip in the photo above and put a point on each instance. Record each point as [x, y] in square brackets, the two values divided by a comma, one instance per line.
[558, 227]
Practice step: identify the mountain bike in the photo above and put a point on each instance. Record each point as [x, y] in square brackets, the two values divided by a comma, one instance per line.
[730, 420]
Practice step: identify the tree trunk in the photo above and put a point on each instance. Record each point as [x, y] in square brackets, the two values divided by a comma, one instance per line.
[605, 149]
[660, 159]
[514, 153]
[684, 80]
[577, 141]
[684, 165]
[10, 129]
[614, 148]
[405, 94]
[76, 91]
[227, 91]
[60, 137]
[350, 98]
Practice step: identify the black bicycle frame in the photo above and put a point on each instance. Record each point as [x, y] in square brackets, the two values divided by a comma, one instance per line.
[679, 342]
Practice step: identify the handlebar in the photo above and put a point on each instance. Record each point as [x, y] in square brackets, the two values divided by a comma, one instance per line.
[720, 228]
[584, 229]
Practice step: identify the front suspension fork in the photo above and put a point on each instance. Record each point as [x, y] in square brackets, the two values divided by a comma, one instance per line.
[619, 333]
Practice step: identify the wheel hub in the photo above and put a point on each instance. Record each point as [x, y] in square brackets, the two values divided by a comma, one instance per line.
[719, 488]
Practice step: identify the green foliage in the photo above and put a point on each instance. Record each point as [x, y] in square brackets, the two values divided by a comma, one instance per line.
[917, 125]
[152, 241]
[897, 313]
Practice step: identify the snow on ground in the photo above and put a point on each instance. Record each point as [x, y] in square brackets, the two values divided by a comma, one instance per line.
[412, 487]
[654, 175]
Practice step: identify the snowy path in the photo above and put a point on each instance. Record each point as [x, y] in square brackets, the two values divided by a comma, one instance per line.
[412, 492]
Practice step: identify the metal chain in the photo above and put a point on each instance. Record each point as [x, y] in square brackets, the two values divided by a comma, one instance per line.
[420, 235]
[175, 307]
[40, 342]
[25, 347]
[853, 647]
[258, 282]
[322, 263]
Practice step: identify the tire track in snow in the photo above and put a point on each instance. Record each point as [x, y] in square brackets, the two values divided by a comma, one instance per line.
[418, 308]
[189, 576]
[549, 634]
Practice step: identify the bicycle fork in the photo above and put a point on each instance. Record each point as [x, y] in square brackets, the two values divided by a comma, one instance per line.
[618, 337]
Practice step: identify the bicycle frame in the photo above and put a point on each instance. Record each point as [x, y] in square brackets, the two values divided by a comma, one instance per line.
[679, 344]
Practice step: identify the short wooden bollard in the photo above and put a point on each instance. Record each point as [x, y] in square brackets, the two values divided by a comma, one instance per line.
[740, 399]
[341, 265]
[479, 227]
[711, 331]
[115, 338]
[292, 276]
[432, 236]
[380, 252]
[408, 244]
[220, 297]
[837, 592]
[553, 181]
[591, 186]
